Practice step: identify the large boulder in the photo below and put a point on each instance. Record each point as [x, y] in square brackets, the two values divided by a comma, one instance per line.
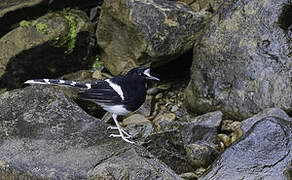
[36, 48]
[14, 11]
[264, 152]
[43, 134]
[137, 32]
[242, 63]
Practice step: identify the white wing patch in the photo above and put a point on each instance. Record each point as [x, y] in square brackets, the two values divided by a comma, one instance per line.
[117, 88]
[88, 85]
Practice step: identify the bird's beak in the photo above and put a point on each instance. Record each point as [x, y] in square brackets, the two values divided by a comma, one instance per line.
[148, 76]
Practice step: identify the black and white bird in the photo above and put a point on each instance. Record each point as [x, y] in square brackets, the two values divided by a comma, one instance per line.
[119, 95]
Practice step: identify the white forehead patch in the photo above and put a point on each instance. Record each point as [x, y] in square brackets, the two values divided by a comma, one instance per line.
[147, 72]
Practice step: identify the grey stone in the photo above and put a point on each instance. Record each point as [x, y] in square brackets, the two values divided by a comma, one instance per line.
[188, 175]
[133, 33]
[242, 63]
[212, 119]
[43, 134]
[262, 153]
[134, 163]
[170, 144]
[138, 126]
[200, 155]
[168, 147]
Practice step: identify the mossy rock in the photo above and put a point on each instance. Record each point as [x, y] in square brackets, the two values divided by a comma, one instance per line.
[49, 46]
[12, 11]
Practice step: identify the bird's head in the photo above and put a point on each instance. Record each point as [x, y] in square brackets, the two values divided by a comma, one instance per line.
[141, 72]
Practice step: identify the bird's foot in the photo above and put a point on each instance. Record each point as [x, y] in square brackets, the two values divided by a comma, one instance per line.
[123, 137]
[123, 131]
[123, 134]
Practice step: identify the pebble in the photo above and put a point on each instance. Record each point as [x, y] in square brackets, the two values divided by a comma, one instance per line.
[226, 125]
[200, 172]
[225, 139]
[159, 96]
[188, 176]
[236, 135]
[235, 125]
[97, 74]
[174, 108]
[164, 86]
[153, 91]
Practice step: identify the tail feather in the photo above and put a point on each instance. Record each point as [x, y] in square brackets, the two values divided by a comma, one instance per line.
[59, 82]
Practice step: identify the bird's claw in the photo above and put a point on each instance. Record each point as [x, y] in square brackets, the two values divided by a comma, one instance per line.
[123, 131]
[122, 136]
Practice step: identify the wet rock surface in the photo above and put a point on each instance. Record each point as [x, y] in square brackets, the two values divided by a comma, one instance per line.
[262, 153]
[43, 134]
[242, 62]
[144, 32]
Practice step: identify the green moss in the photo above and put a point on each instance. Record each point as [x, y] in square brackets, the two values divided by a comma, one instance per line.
[41, 27]
[24, 23]
[72, 34]
[69, 41]
[98, 65]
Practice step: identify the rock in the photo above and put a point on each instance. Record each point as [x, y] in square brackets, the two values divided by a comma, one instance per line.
[173, 137]
[133, 33]
[159, 96]
[164, 87]
[44, 135]
[236, 135]
[153, 91]
[11, 12]
[235, 125]
[226, 125]
[168, 147]
[134, 163]
[242, 63]
[22, 56]
[97, 75]
[288, 171]
[212, 119]
[225, 139]
[164, 121]
[200, 155]
[262, 153]
[203, 129]
[174, 108]
[199, 172]
[138, 126]
[188, 176]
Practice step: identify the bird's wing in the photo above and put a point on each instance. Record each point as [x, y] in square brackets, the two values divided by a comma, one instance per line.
[101, 93]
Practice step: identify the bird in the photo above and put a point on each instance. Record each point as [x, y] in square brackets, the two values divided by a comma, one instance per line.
[120, 95]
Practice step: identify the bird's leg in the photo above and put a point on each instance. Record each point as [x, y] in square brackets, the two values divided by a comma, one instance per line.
[123, 131]
[120, 131]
